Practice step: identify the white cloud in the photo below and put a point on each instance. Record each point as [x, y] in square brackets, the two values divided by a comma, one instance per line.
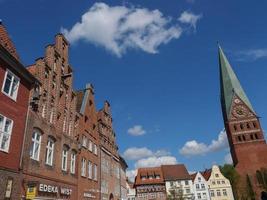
[155, 161]
[119, 28]
[251, 54]
[228, 159]
[136, 130]
[131, 174]
[189, 18]
[193, 148]
[135, 153]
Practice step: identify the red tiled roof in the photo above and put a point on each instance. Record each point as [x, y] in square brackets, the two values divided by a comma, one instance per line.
[193, 176]
[145, 172]
[175, 172]
[206, 174]
[6, 42]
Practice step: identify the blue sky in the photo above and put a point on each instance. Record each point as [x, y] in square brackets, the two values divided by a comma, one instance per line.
[157, 64]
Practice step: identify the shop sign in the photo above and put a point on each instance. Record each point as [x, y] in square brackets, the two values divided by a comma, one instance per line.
[89, 195]
[54, 189]
[31, 193]
[9, 188]
[48, 188]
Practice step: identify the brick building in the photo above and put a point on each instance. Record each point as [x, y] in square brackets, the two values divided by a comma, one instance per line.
[110, 160]
[149, 184]
[50, 151]
[245, 135]
[88, 161]
[123, 179]
[16, 83]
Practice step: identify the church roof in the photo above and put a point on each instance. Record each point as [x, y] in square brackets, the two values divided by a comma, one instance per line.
[230, 85]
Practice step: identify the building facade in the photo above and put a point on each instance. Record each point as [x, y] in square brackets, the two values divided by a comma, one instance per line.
[178, 182]
[50, 148]
[16, 83]
[219, 187]
[201, 187]
[131, 194]
[242, 125]
[110, 160]
[88, 161]
[149, 184]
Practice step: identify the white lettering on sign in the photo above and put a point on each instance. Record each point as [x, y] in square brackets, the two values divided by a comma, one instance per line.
[65, 191]
[88, 195]
[48, 188]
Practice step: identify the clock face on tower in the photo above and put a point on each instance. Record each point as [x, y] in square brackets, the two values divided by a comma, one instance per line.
[240, 111]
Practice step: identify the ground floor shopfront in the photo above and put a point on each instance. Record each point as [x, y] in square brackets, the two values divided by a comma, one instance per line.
[37, 188]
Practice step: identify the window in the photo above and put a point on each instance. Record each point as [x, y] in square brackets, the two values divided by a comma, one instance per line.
[199, 179]
[49, 152]
[212, 193]
[218, 193]
[186, 182]
[44, 111]
[90, 146]
[224, 192]
[95, 149]
[72, 162]
[256, 136]
[11, 85]
[204, 195]
[199, 195]
[51, 119]
[5, 133]
[95, 172]
[202, 186]
[90, 170]
[83, 167]
[64, 124]
[84, 141]
[197, 186]
[217, 175]
[187, 191]
[223, 182]
[36, 145]
[218, 182]
[64, 159]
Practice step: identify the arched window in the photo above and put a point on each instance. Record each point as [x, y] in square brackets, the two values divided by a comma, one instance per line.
[64, 159]
[72, 162]
[244, 137]
[248, 126]
[241, 126]
[251, 137]
[50, 151]
[235, 127]
[36, 145]
[254, 124]
[239, 138]
[256, 136]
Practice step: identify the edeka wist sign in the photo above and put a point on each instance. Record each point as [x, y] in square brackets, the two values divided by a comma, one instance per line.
[54, 189]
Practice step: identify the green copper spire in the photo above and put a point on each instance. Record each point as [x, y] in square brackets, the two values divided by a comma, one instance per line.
[230, 85]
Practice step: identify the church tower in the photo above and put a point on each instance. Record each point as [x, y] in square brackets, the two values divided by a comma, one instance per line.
[245, 135]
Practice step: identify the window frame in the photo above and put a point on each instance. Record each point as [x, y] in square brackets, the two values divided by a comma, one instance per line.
[33, 143]
[72, 162]
[52, 149]
[15, 95]
[64, 157]
[9, 132]
[83, 167]
[90, 170]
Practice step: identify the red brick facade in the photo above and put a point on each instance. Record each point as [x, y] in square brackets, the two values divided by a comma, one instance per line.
[53, 124]
[89, 181]
[14, 110]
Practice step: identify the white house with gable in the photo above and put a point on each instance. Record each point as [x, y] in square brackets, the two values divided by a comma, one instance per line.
[201, 187]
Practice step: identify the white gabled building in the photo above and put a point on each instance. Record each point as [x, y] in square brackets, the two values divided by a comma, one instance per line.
[219, 187]
[201, 187]
[178, 182]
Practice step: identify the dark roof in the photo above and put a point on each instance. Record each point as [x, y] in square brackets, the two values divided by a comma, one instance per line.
[206, 174]
[193, 176]
[175, 172]
[6, 42]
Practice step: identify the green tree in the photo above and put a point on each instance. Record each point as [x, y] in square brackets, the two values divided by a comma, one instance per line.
[250, 192]
[231, 174]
